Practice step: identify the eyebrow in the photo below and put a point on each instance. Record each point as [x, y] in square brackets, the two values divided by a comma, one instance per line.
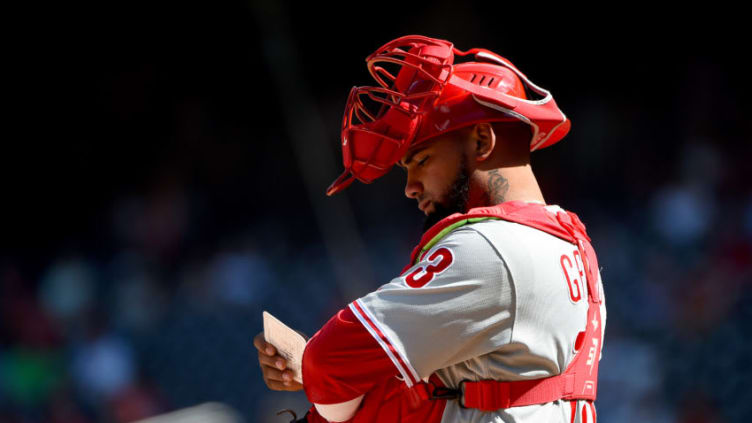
[411, 155]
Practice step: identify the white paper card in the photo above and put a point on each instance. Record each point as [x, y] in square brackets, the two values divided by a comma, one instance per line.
[289, 344]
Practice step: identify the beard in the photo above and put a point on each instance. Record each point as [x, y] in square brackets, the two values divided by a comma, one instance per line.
[456, 197]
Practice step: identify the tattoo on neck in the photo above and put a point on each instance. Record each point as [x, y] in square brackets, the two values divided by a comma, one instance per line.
[498, 186]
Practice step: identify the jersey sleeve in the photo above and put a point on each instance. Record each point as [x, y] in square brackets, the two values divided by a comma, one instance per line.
[342, 361]
[455, 304]
[347, 373]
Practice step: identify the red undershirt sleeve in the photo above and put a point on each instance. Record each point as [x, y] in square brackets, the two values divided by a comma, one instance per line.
[343, 361]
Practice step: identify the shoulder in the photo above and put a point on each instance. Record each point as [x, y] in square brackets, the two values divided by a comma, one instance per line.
[493, 235]
[462, 255]
[523, 249]
[506, 235]
[465, 243]
[492, 238]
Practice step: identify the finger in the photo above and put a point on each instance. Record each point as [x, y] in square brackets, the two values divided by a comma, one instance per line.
[276, 379]
[279, 386]
[270, 373]
[263, 346]
[280, 381]
[272, 361]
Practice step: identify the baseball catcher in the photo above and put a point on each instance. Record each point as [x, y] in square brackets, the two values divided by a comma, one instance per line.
[499, 314]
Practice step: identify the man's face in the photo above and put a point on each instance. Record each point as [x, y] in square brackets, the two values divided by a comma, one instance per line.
[437, 177]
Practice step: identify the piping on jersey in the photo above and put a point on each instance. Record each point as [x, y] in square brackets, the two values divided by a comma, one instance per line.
[444, 232]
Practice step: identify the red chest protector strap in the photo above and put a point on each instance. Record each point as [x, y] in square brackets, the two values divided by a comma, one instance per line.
[580, 379]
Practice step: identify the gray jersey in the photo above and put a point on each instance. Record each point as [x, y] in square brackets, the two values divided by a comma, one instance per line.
[491, 300]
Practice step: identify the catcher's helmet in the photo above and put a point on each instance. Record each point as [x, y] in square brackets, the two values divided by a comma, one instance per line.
[423, 93]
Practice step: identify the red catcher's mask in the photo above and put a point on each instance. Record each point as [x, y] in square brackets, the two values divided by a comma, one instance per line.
[422, 93]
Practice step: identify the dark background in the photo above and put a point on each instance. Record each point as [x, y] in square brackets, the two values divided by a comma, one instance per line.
[164, 183]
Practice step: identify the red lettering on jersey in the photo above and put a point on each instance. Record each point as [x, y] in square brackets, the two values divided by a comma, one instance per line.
[572, 282]
[578, 263]
[439, 261]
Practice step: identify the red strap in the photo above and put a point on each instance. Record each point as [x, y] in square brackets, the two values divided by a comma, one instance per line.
[574, 226]
[490, 395]
[579, 380]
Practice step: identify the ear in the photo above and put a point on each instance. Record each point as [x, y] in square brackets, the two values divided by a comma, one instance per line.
[484, 140]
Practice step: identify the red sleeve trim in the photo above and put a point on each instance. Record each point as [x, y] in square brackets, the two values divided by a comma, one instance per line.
[407, 371]
[343, 361]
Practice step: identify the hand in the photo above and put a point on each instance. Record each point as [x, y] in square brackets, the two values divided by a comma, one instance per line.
[273, 367]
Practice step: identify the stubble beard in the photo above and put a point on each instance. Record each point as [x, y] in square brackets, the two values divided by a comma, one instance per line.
[456, 197]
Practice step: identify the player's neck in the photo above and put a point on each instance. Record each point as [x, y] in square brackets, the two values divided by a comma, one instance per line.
[496, 186]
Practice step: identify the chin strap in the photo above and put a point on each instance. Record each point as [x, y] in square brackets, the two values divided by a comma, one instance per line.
[344, 181]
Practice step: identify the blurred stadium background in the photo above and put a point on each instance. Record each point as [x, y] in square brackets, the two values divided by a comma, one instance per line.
[170, 186]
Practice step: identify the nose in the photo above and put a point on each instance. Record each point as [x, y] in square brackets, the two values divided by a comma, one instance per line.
[413, 188]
